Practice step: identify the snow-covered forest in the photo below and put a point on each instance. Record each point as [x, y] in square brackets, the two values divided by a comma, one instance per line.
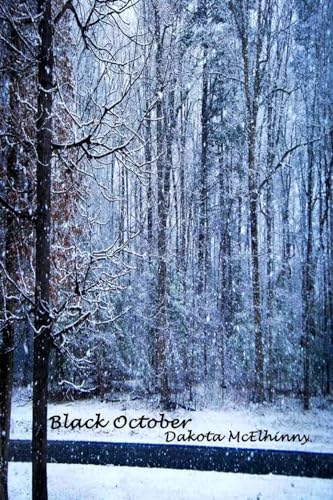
[166, 204]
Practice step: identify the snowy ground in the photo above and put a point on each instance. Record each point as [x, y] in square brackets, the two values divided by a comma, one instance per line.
[285, 418]
[89, 482]
[108, 482]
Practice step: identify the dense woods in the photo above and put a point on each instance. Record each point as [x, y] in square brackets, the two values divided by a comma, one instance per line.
[166, 203]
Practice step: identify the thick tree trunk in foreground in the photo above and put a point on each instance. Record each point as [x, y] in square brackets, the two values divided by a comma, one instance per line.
[6, 372]
[7, 344]
[8, 302]
[43, 226]
[6, 362]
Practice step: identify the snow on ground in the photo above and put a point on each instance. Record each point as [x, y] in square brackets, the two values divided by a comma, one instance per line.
[91, 482]
[81, 482]
[286, 418]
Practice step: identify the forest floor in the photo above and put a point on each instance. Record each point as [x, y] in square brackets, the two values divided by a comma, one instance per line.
[119, 483]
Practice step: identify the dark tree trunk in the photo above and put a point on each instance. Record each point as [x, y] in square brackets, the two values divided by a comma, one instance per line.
[7, 344]
[326, 224]
[269, 238]
[9, 303]
[183, 225]
[42, 337]
[163, 187]
[256, 300]
[308, 286]
[6, 380]
[148, 159]
[203, 198]
[225, 296]
[252, 78]
[203, 180]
